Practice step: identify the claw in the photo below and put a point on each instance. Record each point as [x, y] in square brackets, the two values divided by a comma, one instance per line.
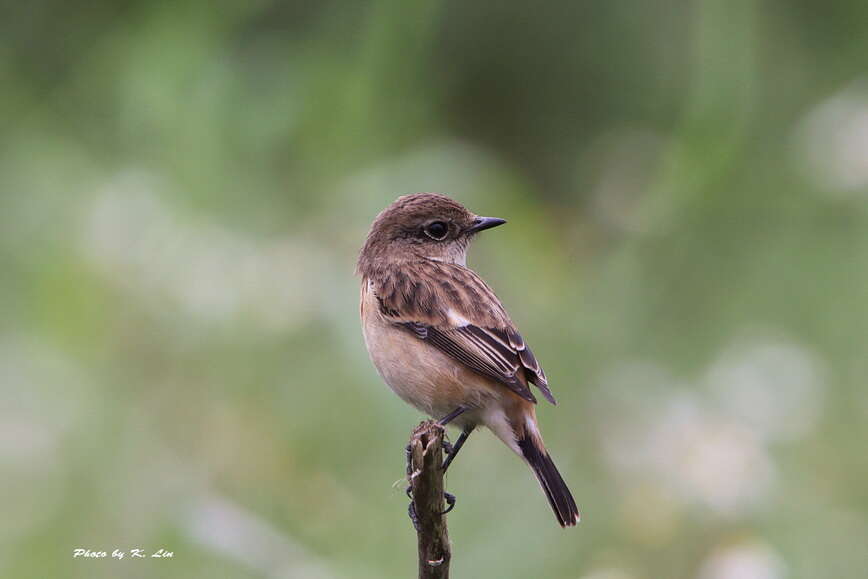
[450, 500]
[411, 512]
[449, 450]
[411, 509]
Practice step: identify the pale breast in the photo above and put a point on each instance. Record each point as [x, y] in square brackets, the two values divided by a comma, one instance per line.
[419, 373]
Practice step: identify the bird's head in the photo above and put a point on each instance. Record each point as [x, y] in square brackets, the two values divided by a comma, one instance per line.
[426, 225]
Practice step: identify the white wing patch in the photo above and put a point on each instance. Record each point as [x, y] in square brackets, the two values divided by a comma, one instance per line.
[456, 319]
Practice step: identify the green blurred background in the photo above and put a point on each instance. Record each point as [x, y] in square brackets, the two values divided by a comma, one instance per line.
[184, 187]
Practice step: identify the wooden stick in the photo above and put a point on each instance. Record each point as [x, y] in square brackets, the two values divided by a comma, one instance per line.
[425, 474]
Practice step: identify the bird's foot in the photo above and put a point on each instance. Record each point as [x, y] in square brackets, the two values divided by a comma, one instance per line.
[411, 508]
[450, 501]
[448, 447]
[411, 512]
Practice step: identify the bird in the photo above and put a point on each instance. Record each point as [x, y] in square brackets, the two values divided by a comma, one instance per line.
[441, 339]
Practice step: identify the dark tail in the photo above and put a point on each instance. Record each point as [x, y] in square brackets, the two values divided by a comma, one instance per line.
[559, 496]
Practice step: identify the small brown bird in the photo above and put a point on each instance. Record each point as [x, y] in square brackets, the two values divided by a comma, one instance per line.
[442, 340]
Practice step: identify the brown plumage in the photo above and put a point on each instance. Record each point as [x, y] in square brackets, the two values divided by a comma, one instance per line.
[441, 339]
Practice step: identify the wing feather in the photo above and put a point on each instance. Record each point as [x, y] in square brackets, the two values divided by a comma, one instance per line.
[488, 343]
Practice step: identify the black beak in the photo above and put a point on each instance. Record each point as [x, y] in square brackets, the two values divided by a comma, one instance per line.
[483, 223]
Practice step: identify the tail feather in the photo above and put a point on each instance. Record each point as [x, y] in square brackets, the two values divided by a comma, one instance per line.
[556, 490]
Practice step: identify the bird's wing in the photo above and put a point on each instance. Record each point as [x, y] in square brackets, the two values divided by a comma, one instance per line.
[451, 308]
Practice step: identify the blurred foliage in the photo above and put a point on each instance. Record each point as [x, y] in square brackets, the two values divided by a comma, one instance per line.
[183, 188]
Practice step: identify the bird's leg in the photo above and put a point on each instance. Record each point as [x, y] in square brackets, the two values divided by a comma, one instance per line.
[451, 416]
[452, 452]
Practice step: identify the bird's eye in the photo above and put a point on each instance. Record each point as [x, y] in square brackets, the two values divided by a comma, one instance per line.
[437, 230]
